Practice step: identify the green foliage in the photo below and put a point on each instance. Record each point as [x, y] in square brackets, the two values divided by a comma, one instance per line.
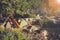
[39, 22]
[9, 34]
[21, 6]
[8, 37]
[1, 28]
[32, 15]
[10, 5]
[20, 35]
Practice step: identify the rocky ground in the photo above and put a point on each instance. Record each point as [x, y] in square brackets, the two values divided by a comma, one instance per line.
[44, 34]
[38, 33]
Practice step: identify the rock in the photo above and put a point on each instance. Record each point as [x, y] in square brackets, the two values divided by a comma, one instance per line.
[8, 25]
[23, 23]
[35, 27]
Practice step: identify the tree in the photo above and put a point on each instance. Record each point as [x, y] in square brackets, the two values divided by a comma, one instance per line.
[13, 6]
[21, 6]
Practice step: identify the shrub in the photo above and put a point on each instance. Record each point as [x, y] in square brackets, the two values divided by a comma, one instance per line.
[15, 34]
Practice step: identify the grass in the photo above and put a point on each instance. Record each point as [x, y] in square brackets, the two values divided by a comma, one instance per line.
[9, 34]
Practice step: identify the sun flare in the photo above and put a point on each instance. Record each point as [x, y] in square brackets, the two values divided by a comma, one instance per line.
[58, 1]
